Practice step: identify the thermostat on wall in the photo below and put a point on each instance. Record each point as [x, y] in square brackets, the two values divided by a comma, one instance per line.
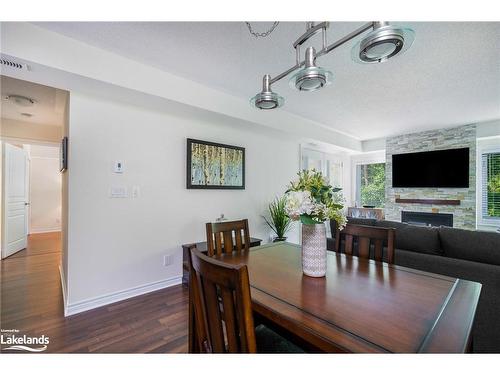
[118, 168]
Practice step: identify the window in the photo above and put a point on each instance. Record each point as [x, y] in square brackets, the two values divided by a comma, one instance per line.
[329, 165]
[370, 184]
[334, 172]
[490, 165]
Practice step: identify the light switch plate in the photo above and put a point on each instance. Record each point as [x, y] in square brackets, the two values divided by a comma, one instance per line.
[136, 192]
[118, 192]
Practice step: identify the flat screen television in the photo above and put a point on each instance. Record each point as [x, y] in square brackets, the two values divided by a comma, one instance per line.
[439, 169]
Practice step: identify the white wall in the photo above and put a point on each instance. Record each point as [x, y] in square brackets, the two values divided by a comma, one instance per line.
[22, 130]
[117, 245]
[45, 189]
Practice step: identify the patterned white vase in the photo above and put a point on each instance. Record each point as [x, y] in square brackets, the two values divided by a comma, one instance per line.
[314, 249]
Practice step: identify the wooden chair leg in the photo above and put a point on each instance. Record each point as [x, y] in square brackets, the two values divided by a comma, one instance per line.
[192, 339]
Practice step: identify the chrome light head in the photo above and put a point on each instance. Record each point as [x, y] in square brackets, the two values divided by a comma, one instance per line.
[311, 77]
[384, 42]
[266, 99]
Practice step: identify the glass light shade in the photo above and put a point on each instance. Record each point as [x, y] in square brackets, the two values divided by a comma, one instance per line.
[267, 100]
[382, 49]
[311, 79]
[382, 44]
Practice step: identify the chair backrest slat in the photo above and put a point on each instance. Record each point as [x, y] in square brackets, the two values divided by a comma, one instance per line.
[348, 244]
[378, 249]
[365, 235]
[220, 296]
[239, 242]
[364, 247]
[213, 314]
[230, 321]
[220, 237]
[228, 242]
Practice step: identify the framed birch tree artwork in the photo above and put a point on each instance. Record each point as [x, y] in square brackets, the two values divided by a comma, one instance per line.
[214, 165]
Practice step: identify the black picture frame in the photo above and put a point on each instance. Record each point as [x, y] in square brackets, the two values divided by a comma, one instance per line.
[63, 154]
[189, 172]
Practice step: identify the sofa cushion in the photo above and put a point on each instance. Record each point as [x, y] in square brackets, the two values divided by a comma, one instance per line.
[390, 224]
[477, 246]
[419, 239]
[361, 221]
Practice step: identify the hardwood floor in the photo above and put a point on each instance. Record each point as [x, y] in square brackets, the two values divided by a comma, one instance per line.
[31, 302]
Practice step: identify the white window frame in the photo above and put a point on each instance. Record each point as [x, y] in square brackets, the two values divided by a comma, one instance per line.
[485, 146]
[362, 159]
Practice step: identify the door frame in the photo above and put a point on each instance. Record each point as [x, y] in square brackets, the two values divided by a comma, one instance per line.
[25, 141]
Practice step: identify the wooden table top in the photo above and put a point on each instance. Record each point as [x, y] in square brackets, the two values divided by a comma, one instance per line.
[361, 305]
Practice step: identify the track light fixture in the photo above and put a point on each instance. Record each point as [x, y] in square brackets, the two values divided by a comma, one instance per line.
[382, 43]
[266, 99]
[311, 77]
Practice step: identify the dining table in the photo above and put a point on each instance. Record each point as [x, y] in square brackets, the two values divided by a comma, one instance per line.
[361, 305]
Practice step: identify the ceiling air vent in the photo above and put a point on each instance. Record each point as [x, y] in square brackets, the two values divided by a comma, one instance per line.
[13, 64]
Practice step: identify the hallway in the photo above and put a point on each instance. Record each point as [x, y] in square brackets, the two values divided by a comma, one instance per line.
[31, 302]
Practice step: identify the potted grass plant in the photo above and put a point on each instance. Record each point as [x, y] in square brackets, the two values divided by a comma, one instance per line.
[278, 220]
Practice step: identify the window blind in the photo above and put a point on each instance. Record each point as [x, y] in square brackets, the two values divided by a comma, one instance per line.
[490, 190]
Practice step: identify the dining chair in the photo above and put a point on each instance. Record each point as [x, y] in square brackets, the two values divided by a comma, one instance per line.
[366, 236]
[222, 311]
[220, 237]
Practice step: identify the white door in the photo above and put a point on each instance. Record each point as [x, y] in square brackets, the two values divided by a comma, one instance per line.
[15, 188]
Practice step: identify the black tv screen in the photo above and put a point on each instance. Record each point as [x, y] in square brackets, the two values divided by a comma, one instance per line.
[440, 169]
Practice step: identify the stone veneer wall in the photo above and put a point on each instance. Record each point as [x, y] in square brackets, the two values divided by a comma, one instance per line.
[464, 215]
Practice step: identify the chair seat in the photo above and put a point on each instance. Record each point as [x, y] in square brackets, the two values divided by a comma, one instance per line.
[269, 341]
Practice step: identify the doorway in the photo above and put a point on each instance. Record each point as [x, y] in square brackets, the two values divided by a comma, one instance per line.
[32, 122]
[32, 195]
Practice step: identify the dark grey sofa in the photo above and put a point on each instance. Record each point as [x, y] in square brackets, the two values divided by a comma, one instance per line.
[464, 254]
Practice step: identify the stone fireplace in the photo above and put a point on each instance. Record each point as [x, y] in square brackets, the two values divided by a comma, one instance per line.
[427, 219]
[463, 213]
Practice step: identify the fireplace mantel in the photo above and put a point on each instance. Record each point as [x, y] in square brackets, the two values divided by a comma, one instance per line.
[445, 202]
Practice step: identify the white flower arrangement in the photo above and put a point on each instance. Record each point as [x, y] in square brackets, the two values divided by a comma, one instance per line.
[312, 200]
[299, 203]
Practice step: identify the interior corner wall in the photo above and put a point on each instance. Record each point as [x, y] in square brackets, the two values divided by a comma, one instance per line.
[464, 215]
[1, 194]
[64, 213]
[117, 245]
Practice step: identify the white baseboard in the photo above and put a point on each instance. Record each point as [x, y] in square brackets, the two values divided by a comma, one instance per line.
[45, 230]
[63, 287]
[92, 303]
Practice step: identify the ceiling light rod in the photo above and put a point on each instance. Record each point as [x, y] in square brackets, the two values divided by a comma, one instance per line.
[326, 49]
[312, 29]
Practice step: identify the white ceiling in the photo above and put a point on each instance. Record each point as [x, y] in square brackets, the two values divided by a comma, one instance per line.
[49, 102]
[450, 76]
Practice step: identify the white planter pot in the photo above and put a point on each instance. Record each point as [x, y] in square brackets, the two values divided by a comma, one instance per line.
[314, 249]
